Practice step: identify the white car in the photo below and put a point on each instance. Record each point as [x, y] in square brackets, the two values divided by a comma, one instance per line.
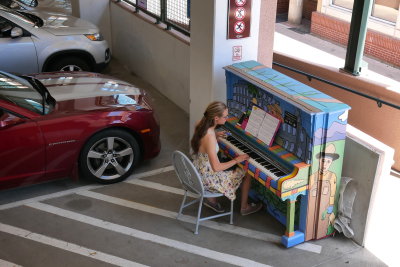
[39, 5]
[32, 42]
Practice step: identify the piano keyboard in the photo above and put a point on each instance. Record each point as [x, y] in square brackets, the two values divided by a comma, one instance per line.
[270, 167]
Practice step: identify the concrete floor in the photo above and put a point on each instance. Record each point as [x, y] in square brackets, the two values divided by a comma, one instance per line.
[132, 223]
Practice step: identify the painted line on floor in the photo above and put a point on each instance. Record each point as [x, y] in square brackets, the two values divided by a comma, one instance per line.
[67, 246]
[204, 252]
[4, 263]
[227, 228]
[78, 189]
[185, 218]
[160, 187]
[149, 173]
[49, 196]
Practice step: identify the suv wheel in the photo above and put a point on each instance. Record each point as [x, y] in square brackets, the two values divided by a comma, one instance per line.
[69, 64]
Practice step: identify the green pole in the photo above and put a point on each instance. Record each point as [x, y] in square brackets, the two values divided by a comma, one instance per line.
[357, 35]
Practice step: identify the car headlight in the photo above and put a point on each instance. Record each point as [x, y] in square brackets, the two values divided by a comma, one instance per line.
[94, 37]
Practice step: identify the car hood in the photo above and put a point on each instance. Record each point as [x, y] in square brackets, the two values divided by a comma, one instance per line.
[61, 24]
[91, 91]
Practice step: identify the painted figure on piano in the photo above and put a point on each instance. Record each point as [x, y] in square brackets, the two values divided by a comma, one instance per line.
[215, 176]
[326, 181]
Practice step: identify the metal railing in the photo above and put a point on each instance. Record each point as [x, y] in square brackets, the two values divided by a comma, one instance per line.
[175, 14]
[379, 102]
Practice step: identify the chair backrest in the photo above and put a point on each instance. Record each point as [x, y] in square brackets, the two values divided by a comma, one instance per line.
[187, 173]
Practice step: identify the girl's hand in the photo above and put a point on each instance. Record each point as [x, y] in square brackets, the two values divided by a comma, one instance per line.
[241, 158]
[221, 134]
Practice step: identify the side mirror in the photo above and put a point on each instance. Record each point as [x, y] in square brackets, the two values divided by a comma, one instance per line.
[16, 32]
[34, 3]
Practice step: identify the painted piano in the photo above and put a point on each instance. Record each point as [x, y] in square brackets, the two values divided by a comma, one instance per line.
[298, 176]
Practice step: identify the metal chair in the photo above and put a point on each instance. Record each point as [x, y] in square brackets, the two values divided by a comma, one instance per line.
[191, 182]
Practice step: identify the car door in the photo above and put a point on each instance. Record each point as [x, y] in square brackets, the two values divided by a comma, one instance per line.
[16, 54]
[22, 151]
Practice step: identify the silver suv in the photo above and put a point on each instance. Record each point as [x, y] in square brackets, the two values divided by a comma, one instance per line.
[33, 42]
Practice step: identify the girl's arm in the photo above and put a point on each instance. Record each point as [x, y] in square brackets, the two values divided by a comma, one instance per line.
[210, 144]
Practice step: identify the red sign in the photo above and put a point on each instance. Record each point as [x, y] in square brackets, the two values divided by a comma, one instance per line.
[239, 19]
[236, 53]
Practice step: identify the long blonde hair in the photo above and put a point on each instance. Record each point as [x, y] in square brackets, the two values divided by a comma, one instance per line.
[214, 109]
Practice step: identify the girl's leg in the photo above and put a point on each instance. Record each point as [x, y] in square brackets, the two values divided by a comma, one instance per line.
[212, 200]
[245, 191]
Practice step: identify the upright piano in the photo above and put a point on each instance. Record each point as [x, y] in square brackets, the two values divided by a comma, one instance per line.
[298, 176]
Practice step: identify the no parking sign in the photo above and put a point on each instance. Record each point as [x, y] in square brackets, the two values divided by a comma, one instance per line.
[239, 19]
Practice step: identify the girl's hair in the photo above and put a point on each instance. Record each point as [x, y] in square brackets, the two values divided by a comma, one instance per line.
[214, 109]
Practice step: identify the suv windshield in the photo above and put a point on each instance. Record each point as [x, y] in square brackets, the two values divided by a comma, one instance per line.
[25, 92]
[24, 17]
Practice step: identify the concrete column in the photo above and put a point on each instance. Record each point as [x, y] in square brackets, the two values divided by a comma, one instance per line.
[75, 8]
[210, 51]
[295, 11]
[97, 12]
[267, 32]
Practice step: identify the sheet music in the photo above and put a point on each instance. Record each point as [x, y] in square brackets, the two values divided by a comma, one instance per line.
[262, 125]
[256, 118]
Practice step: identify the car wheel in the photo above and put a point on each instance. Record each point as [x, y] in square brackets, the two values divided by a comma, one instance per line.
[109, 156]
[70, 64]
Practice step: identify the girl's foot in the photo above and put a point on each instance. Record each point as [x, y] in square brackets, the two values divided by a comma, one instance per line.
[251, 208]
[214, 206]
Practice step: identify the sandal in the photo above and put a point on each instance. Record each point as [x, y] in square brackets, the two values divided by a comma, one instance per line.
[251, 208]
[214, 206]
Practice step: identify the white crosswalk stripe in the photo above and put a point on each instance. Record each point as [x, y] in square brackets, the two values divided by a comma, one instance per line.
[189, 219]
[78, 189]
[204, 252]
[171, 243]
[67, 246]
[221, 227]
[4, 263]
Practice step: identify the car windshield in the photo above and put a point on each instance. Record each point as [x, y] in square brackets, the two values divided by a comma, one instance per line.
[25, 93]
[31, 3]
[24, 17]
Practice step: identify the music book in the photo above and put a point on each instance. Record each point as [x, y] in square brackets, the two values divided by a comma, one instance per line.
[262, 125]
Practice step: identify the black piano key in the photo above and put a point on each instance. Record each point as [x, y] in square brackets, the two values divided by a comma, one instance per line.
[273, 169]
[280, 173]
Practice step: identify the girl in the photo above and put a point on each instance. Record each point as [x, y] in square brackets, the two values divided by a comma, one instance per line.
[214, 175]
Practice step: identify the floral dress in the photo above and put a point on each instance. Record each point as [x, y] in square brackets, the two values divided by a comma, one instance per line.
[225, 182]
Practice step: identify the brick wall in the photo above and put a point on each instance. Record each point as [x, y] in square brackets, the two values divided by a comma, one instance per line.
[377, 45]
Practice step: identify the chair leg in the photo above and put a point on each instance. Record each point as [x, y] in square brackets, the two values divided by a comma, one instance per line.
[231, 222]
[198, 216]
[182, 205]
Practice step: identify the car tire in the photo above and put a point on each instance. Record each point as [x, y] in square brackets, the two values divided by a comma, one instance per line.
[109, 156]
[70, 64]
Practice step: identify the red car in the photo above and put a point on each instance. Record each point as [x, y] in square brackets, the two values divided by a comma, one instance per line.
[54, 125]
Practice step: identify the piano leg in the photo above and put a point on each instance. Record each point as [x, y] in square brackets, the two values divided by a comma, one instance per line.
[291, 237]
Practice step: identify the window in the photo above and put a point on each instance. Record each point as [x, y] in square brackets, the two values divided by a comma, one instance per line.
[382, 9]
[386, 10]
[348, 4]
[174, 13]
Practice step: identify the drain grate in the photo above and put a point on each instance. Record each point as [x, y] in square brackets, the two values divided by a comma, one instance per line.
[300, 30]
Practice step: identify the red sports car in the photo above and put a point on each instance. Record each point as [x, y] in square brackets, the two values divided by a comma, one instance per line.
[54, 125]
